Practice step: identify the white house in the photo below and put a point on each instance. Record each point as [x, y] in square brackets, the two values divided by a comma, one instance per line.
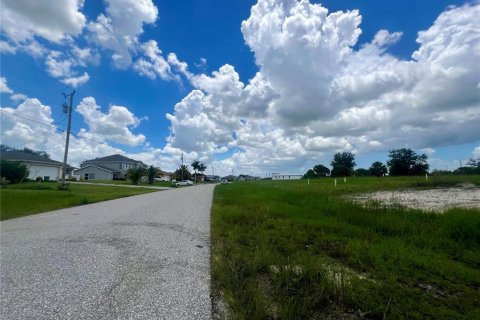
[164, 176]
[284, 176]
[38, 166]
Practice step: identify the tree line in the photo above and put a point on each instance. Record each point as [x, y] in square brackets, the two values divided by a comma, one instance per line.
[5, 148]
[402, 162]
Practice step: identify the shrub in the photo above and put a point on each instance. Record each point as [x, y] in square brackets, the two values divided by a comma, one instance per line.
[13, 171]
[64, 187]
[38, 179]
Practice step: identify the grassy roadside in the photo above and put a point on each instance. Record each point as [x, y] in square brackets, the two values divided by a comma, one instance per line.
[126, 182]
[33, 197]
[288, 250]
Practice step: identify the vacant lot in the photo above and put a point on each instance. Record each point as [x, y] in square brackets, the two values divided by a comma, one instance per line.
[464, 195]
[289, 250]
[34, 197]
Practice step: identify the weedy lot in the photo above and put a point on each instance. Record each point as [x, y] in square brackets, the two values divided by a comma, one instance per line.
[288, 250]
[33, 197]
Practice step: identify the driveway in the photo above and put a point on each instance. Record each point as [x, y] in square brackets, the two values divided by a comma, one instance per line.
[142, 257]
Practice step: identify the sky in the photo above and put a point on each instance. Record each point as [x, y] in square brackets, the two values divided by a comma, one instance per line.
[246, 87]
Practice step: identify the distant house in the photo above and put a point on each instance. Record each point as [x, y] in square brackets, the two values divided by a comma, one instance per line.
[281, 176]
[38, 166]
[164, 175]
[212, 178]
[200, 177]
[107, 168]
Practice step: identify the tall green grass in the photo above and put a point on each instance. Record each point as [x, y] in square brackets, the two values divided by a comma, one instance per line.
[292, 250]
[33, 197]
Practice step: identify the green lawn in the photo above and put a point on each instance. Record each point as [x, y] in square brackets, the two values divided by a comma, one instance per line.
[140, 183]
[33, 197]
[289, 250]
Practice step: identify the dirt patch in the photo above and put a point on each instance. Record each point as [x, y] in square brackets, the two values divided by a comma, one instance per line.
[464, 195]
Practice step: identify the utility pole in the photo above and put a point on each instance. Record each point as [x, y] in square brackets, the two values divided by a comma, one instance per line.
[67, 110]
[182, 165]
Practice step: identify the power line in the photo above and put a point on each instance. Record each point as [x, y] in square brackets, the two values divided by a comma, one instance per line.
[58, 129]
[33, 120]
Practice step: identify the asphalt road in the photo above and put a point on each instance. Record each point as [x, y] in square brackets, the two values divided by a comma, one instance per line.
[142, 257]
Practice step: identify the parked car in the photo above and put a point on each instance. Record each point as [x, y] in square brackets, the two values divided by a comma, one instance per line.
[224, 181]
[184, 183]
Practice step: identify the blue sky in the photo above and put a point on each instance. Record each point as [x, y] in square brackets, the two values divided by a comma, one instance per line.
[273, 86]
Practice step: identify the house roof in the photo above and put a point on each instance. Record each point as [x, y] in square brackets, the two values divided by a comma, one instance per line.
[112, 158]
[165, 173]
[97, 166]
[28, 157]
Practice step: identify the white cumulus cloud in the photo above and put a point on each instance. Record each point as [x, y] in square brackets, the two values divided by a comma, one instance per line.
[119, 28]
[315, 94]
[23, 20]
[76, 81]
[4, 87]
[113, 126]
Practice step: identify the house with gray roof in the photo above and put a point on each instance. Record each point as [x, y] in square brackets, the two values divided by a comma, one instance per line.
[38, 166]
[107, 168]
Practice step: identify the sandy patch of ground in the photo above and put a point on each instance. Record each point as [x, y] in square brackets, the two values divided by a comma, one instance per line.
[438, 199]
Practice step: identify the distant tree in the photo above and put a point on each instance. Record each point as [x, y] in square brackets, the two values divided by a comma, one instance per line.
[202, 167]
[341, 171]
[151, 173]
[467, 170]
[321, 171]
[183, 173]
[135, 174]
[310, 174]
[378, 169]
[361, 172]
[343, 164]
[437, 172]
[13, 171]
[5, 148]
[472, 162]
[405, 162]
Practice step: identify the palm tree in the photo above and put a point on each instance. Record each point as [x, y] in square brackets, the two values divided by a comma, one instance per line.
[196, 166]
[183, 172]
[135, 174]
[151, 173]
[202, 167]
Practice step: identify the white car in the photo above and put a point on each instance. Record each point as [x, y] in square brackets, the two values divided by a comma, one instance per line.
[184, 183]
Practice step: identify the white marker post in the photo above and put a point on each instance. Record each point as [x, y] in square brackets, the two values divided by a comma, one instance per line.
[344, 180]
[335, 182]
[308, 181]
[426, 176]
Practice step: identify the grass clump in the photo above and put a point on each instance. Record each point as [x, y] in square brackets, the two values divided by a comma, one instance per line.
[288, 250]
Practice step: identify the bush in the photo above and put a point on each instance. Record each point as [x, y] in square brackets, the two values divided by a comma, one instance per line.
[64, 187]
[38, 179]
[72, 179]
[13, 171]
